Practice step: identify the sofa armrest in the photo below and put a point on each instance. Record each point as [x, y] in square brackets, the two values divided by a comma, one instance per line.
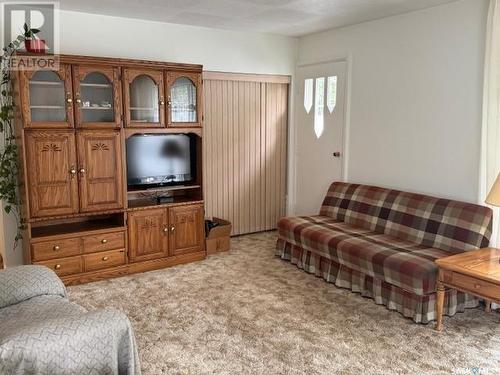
[18, 284]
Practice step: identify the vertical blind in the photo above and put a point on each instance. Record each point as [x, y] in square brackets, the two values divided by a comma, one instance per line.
[245, 149]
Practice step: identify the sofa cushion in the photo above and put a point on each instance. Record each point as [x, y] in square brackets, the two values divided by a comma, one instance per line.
[432, 222]
[405, 264]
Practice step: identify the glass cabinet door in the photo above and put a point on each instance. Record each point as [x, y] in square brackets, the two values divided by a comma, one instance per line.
[97, 96]
[184, 99]
[144, 100]
[47, 98]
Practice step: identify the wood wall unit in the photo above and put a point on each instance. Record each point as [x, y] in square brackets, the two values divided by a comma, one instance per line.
[82, 220]
[246, 122]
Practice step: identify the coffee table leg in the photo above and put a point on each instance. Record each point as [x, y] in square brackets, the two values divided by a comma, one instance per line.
[487, 306]
[439, 306]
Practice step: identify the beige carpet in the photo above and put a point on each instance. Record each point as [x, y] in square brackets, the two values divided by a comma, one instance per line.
[247, 312]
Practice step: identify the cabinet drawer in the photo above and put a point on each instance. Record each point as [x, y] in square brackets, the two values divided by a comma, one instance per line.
[64, 266]
[481, 287]
[102, 242]
[106, 259]
[55, 249]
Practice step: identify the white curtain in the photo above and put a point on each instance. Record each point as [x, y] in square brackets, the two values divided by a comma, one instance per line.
[490, 150]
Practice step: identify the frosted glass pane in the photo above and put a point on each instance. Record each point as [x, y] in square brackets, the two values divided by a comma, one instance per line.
[319, 107]
[331, 93]
[308, 94]
[144, 100]
[183, 97]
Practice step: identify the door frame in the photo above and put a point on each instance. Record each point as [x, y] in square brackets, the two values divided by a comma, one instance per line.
[292, 134]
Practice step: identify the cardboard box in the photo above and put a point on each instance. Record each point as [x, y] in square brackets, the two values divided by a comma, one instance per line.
[218, 238]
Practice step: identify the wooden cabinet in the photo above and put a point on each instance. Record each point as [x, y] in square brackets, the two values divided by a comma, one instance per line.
[52, 175]
[183, 90]
[47, 98]
[97, 96]
[100, 170]
[60, 183]
[186, 229]
[148, 234]
[144, 98]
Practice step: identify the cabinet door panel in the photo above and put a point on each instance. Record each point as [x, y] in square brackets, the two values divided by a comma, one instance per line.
[186, 229]
[47, 98]
[51, 164]
[97, 96]
[100, 170]
[148, 234]
[184, 99]
[144, 99]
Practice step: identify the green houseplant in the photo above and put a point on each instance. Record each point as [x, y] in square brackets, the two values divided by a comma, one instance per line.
[9, 158]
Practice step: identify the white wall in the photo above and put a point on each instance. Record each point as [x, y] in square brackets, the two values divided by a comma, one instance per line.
[219, 50]
[416, 92]
[89, 34]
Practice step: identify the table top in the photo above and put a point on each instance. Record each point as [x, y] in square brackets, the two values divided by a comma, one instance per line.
[482, 264]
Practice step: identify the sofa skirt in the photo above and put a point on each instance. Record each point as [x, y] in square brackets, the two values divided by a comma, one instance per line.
[419, 308]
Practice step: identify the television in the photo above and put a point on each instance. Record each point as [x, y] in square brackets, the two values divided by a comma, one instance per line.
[155, 160]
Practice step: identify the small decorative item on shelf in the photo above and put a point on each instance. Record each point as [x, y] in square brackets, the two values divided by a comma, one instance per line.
[31, 42]
[105, 104]
[95, 105]
[86, 104]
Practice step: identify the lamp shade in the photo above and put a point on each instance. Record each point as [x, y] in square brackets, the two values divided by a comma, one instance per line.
[493, 197]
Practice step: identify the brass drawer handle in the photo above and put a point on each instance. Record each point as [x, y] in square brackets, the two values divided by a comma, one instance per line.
[105, 258]
[56, 248]
[165, 229]
[104, 241]
[172, 228]
[57, 266]
[69, 100]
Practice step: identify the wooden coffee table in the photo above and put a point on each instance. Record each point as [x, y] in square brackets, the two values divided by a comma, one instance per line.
[475, 272]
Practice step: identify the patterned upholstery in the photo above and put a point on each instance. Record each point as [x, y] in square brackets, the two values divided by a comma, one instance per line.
[433, 222]
[388, 237]
[419, 308]
[402, 263]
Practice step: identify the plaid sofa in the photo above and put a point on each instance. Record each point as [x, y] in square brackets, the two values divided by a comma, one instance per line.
[382, 243]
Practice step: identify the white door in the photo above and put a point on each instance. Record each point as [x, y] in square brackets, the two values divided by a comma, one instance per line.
[320, 121]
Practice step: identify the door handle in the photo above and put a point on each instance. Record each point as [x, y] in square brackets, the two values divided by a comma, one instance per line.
[336, 154]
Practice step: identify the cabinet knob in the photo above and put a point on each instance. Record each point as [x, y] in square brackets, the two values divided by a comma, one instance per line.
[69, 100]
[165, 229]
[162, 102]
[82, 170]
[72, 170]
[56, 247]
[104, 241]
[57, 266]
[172, 228]
[105, 258]
[78, 100]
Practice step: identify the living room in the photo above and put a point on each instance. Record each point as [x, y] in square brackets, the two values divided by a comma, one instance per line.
[246, 186]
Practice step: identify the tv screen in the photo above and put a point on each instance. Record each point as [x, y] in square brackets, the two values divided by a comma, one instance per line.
[159, 159]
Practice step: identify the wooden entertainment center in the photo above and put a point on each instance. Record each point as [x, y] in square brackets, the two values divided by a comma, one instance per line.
[83, 220]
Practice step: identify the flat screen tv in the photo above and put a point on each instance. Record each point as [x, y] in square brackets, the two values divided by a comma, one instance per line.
[155, 160]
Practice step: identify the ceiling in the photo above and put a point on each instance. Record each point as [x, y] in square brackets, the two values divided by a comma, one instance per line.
[285, 17]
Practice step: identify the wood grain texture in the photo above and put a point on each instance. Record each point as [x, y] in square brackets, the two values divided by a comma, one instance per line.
[157, 76]
[187, 233]
[51, 161]
[194, 77]
[148, 234]
[113, 75]
[64, 73]
[100, 170]
[245, 151]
